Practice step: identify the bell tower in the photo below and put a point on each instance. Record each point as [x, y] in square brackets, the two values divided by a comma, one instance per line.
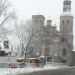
[66, 23]
[66, 5]
[66, 19]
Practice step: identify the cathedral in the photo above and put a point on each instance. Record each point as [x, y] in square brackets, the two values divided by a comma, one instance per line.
[56, 46]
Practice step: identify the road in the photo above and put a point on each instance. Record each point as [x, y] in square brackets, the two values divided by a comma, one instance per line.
[60, 72]
[69, 71]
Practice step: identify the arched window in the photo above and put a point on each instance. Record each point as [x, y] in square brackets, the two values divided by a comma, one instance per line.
[63, 39]
[47, 47]
[68, 26]
[68, 5]
[64, 52]
[63, 22]
[65, 5]
[67, 21]
[71, 25]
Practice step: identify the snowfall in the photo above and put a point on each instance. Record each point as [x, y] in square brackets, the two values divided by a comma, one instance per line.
[15, 71]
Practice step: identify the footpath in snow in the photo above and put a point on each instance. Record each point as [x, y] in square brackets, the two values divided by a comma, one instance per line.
[15, 71]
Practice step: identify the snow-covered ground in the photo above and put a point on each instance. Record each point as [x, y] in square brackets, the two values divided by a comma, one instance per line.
[14, 71]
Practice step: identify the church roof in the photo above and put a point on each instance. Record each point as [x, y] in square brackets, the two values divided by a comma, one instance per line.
[66, 14]
[67, 0]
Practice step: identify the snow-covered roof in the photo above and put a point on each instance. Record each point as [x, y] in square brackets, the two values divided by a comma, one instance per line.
[66, 14]
[67, 0]
[6, 50]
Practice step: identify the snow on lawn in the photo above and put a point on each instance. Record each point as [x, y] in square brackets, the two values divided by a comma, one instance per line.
[14, 71]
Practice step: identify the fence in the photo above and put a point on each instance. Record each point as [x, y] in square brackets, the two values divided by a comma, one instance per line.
[7, 59]
[4, 65]
[56, 64]
[4, 61]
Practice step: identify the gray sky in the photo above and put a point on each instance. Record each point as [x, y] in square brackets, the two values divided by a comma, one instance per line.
[52, 8]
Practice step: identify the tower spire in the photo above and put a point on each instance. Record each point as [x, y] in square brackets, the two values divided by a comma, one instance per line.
[67, 6]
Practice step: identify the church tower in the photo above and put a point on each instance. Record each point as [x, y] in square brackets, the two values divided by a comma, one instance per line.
[38, 21]
[66, 5]
[66, 23]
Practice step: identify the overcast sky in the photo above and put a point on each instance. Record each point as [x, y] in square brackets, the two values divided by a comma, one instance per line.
[52, 8]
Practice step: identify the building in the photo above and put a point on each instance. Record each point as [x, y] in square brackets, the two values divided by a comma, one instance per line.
[55, 45]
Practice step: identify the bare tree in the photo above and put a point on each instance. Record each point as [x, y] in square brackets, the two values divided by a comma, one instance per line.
[21, 33]
[25, 33]
[6, 16]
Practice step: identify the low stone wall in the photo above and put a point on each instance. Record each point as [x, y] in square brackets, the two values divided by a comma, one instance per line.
[69, 71]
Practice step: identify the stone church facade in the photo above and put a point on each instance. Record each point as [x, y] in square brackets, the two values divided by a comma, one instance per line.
[55, 45]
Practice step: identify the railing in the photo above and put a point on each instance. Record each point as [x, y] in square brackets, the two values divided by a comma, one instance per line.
[56, 64]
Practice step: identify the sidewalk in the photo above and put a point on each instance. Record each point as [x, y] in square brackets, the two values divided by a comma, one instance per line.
[15, 71]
